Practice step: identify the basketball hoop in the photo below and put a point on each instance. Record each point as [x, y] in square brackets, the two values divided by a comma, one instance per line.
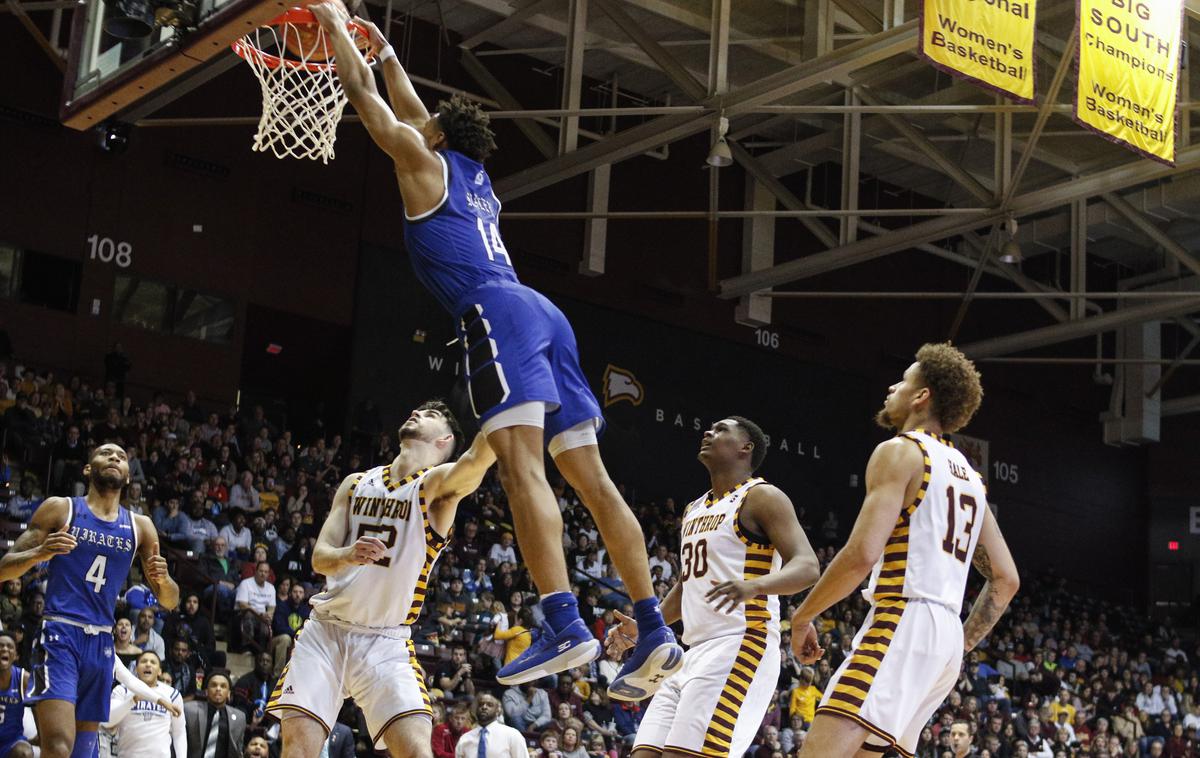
[303, 99]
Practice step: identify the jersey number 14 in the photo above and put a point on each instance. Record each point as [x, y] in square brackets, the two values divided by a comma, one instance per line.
[490, 234]
[95, 575]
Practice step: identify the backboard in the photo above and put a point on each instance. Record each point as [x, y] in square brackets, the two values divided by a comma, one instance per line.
[130, 57]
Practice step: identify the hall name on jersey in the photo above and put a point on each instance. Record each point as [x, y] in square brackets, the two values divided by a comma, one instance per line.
[703, 524]
[381, 507]
[11, 699]
[83, 534]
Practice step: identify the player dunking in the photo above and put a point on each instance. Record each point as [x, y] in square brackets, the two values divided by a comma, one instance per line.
[90, 543]
[740, 550]
[923, 522]
[520, 360]
[385, 529]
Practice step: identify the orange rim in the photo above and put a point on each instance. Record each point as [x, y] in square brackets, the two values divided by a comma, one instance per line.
[245, 48]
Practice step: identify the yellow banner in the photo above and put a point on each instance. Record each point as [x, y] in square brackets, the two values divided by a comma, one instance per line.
[1129, 72]
[989, 42]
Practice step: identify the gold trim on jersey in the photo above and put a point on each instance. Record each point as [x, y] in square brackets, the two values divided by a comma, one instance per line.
[391, 486]
[718, 738]
[354, 485]
[433, 547]
[890, 582]
[420, 672]
[737, 519]
[869, 727]
[709, 499]
[850, 689]
[271, 701]
[305, 711]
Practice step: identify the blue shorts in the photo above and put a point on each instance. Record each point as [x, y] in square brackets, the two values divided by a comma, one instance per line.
[519, 349]
[70, 664]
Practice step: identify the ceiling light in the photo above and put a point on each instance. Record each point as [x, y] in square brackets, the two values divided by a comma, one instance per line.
[719, 155]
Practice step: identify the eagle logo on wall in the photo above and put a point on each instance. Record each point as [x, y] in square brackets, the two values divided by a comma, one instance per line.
[620, 384]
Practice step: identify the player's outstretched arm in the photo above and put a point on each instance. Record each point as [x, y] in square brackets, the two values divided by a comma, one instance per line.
[154, 566]
[332, 555]
[992, 559]
[406, 104]
[404, 144]
[451, 482]
[45, 537]
[893, 465]
[769, 512]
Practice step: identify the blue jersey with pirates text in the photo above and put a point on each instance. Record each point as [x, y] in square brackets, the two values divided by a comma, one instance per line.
[84, 583]
[12, 710]
[456, 246]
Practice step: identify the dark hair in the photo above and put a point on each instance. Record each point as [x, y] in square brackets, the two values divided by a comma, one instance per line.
[149, 652]
[467, 128]
[757, 438]
[953, 383]
[451, 422]
[221, 673]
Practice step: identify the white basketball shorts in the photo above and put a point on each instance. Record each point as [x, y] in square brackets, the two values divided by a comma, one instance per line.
[906, 659]
[332, 662]
[715, 703]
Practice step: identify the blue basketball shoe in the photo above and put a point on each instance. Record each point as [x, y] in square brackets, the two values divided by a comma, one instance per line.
[552, 653]
[656, 656]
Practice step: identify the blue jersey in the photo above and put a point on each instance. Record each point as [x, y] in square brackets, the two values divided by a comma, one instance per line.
[12, 710]
[84, 584]
[456, 246]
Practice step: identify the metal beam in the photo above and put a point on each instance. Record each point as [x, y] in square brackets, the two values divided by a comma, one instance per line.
[663, 59]
[718, 49]
[851, 147]
[512, 22]
[52, 52]
[1060, 73]
[1148, 228]
[930, 151]
[491, 85]
[1180, 405]
[758, 252]
[595, 230]
[785, 196]
[572, 91]
[863, 17]
[1078, 279]
[1058, 333]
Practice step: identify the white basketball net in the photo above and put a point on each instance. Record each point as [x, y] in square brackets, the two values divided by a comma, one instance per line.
[302, 99]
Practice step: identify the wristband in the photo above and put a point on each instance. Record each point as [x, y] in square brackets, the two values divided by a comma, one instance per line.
[386, 53]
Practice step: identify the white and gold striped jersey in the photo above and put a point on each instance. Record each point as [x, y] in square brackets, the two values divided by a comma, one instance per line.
[390, 592]
[715, 548]
[928, 555]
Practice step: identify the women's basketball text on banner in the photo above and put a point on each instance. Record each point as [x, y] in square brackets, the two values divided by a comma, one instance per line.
[989, 42]
[1128, 88]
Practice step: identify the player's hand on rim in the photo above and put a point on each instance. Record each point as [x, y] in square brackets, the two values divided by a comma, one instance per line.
[805, 642]
[58, 542]
[727, 596]
[366, 550]
[329, 14]
[621, 637]
[377, 39]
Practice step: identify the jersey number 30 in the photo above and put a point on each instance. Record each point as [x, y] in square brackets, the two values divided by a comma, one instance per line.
[95, 575]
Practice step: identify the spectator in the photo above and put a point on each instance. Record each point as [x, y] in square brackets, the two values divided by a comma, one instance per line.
[146, 637]
[662, 558]
[182, 669]
[454, 676]
[123, 646]
[340, 743]
[570, 746]
[804, 697]
[237, 535]
[200, 531]
[213, 720]
[548, 745]
[490, 738]
[447, 735]
[290, 615]
[518, 637]
[255, 606]
[173, 527]
[258, 747]
[223, 573]
[252, 690]
[243, 495]
[22, 505]
[503, 551]
[250, 566]
[148, 729]
[10, 604]
[188, 624]
[565, 693]
[527, 708]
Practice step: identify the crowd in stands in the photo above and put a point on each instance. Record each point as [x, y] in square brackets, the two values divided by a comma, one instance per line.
[238, 501]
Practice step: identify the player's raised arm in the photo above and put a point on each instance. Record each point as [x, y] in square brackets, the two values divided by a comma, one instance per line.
[995, 562]
[154, 566]
[769, 512]
[893, 466]
[406, 104]
[451, 482]
[404, 144]
[46, 537]
[332, 555]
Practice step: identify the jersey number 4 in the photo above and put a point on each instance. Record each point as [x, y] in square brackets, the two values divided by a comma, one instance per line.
[953, 544]
[95, 575]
